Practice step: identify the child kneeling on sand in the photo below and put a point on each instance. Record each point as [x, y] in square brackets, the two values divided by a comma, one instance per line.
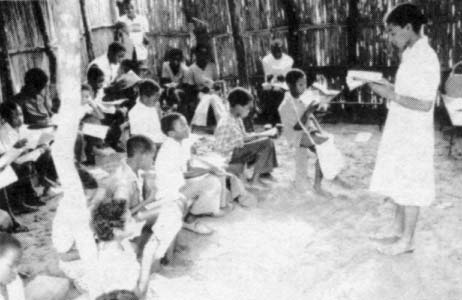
[11, 286]
[296, 112]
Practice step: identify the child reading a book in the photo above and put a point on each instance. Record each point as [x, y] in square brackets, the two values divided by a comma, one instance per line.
[11, 286]
[296, 112]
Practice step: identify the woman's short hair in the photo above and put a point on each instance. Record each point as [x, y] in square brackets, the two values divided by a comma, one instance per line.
[107, 216]
[296, 74]
[167, 123]
[8, 242]
[405, 14]
[239, 96]
[36, 78]
[148, 87]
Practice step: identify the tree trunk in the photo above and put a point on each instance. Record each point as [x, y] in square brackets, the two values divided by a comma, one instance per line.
[73, 205]
[5, 71]
[87, 32]
[235, 13]
[291, 10]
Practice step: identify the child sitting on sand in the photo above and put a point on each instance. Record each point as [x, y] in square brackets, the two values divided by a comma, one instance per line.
[296, 111]
[116, 266]
[11, 286]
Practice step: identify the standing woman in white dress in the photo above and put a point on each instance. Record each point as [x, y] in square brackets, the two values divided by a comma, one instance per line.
[404, 171]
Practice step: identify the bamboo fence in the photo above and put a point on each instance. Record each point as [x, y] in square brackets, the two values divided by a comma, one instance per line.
[325, 30]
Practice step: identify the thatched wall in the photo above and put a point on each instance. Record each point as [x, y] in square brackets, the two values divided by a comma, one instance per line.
[24, 39]
[325, 29]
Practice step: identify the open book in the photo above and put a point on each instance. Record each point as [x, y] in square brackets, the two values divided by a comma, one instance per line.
[357, 78]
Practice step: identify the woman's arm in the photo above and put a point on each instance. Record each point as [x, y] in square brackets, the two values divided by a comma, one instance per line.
[408, 102]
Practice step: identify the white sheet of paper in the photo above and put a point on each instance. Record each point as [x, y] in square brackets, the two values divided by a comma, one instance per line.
[363, 137]
[212, 158]
[357, 78]
[31, 156]
[98, 131]
[325, 90]
[115, 102]
[7, 177]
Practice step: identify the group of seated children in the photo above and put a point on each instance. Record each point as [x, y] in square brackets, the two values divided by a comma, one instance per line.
[25, 149]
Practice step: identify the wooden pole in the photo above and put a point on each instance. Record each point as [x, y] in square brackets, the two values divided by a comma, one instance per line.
[235, 13]
[353, 30]
[5, 70]
[42, 24]
[87, 31]
[73, 205]
[291, 10]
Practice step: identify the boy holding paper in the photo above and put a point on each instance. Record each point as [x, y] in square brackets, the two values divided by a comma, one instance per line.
[296, 111]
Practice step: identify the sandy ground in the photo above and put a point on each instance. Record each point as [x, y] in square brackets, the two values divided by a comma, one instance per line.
[298, 246]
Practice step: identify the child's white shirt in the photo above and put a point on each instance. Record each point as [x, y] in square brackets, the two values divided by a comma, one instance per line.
[291, 110]
[145, 120]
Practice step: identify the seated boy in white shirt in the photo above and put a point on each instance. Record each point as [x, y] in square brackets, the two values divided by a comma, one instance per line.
[176, 178]
[144, 116]
[11, 286]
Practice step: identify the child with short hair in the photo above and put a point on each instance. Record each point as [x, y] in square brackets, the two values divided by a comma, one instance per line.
[144, 116]
[11, 286]
[296, 111]
[177, 179]
[241, 147]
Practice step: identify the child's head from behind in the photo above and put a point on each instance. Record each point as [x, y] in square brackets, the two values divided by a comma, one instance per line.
[175, 126]
[11, 113]
[112, 221]
[298, 81]
[149, 92]
[141, 151]
[240, 102]
[95, 78]
[86, 92]
[118, 295]
[10, 255]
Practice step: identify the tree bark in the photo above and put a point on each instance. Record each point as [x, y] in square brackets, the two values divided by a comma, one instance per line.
[5, 70]
[73, 205]
[87, 32]
[291, 10]
[235, 13]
